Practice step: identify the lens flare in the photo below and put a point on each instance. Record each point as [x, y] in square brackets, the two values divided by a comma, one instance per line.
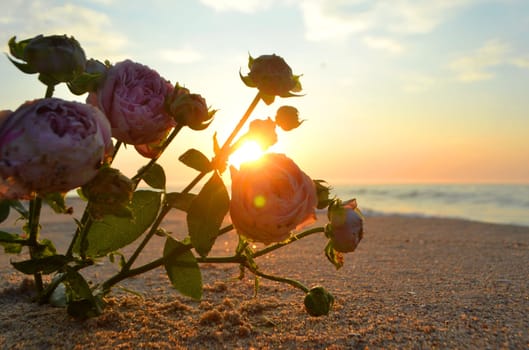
[249, 151]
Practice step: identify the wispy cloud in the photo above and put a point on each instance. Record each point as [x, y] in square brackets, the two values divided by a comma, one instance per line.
[478, 64]
[88, 26]
[522, 62]
[179, 56]
[380, 24]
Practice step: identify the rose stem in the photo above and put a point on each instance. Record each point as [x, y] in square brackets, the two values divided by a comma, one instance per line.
[35, 206]
[136, 179]
[288, 241]
[228, 141]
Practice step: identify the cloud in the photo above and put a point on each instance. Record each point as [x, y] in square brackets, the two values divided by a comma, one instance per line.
[332, 19]
[522, 62]
[384, 44]
[415, 82]
[245, 6]
[88, 26]
[477, 65]
[180, 56]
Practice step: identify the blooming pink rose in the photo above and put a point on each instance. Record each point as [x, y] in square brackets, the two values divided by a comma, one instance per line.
[132, 97]
[270, 198]
[347, 227]
[51, 145]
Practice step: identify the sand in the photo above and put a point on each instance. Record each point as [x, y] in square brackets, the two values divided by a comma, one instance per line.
[412, 283]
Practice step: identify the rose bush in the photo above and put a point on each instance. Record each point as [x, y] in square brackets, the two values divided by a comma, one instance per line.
[51, 145]
[270, 198]
[132, 96]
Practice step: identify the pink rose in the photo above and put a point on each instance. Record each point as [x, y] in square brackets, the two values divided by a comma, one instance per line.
[271, 197]
[132, 97]
[347, 227]
[51, 145]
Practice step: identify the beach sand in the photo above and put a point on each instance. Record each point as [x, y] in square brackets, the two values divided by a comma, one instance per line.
[412, 283]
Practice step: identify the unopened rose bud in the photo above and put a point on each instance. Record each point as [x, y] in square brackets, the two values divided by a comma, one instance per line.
[152, 150]
[318, 302]
[272, 76]
[190, 109]
[57, 58]
[287, 118]
[110, 192]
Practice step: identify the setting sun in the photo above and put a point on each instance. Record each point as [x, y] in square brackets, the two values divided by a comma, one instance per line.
[248, 152]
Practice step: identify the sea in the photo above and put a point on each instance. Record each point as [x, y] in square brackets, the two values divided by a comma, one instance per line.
[492, 203]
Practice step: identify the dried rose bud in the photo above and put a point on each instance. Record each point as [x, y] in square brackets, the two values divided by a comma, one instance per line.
[110, 192]
[318, 302]
[57, 58]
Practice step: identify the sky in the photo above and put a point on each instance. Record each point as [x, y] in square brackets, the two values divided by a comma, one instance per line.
[395, 91]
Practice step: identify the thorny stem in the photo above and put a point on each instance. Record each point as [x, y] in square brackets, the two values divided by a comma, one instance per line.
[226, 146]
[288, 241]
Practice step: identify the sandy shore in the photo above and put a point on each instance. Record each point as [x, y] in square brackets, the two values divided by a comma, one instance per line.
[412, 283]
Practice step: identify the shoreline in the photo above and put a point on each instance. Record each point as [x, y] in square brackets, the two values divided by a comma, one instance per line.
[412, 283]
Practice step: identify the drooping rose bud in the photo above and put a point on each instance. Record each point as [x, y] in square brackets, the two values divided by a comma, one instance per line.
[109, 193]
[347, 226]
[272, 76]
[270, 198]
[318, 302]
[57, 58]
[132, 96]
[51, 145]
[287, 117]
[189, 109]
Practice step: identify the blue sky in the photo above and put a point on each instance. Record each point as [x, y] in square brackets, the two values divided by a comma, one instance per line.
[396, 91]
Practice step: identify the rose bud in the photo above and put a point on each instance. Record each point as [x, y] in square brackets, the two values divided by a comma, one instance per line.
[50, 145]
[318, 302]
[132, 96]
[263, 132]
[347, 226]
[287, 118]
[109, 193]
[272, 76]
[190, 109]
[57, 58]
[270, 198]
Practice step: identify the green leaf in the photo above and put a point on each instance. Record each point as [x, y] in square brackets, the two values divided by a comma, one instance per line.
[45, 265]
[206, 213]
[182, 269]
[180, 201]
[112, 232]
[57, 203]
[155, 177]
[336, 258]
[4, 210]
[81, 303]
[8, 241]
[196, 160]
[20, 208]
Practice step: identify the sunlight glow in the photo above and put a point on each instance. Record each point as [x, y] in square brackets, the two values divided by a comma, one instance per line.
[249, 151]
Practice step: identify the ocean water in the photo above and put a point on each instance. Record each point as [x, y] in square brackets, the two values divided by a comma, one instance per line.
[504, 204]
